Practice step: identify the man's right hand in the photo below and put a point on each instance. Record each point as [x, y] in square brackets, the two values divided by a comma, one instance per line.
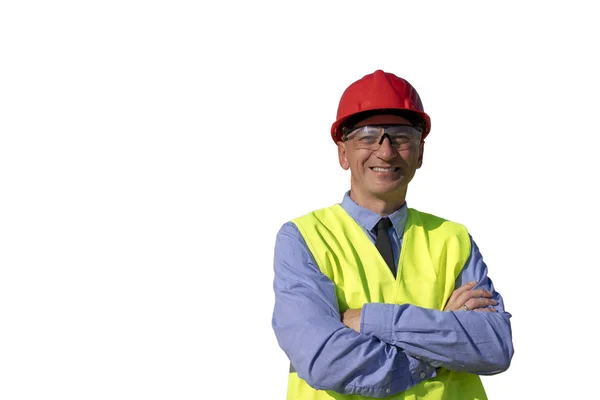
[466, 299]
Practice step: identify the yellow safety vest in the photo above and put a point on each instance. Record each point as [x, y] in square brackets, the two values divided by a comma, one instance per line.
[434, 252]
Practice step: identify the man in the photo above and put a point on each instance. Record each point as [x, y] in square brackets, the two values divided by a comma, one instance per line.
[374, 299]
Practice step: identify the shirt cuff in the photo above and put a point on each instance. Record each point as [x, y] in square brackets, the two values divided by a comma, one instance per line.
[421, 370]
[376, 320]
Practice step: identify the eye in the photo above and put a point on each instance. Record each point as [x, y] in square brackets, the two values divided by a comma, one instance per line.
[403, 138]
[367, 135]
[367, 138]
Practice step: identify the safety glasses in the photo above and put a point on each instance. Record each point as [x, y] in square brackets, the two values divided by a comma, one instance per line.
[370, 137]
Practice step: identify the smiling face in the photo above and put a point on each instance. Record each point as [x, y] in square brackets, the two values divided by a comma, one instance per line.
[380, 178]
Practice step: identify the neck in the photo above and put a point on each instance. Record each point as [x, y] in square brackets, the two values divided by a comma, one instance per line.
[382, 205]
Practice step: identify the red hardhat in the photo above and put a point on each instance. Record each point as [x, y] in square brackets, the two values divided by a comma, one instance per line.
[378, 91]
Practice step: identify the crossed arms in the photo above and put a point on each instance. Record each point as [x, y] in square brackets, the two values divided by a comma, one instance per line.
[383, 349]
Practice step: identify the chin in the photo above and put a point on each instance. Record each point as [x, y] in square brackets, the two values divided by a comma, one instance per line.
[387, 191]
[388, 186]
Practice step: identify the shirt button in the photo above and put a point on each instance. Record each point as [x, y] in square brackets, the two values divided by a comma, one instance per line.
[422, 375]
[388, 390]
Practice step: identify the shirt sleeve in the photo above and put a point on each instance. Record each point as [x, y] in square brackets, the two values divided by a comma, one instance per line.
[475, 342]
[322, 350]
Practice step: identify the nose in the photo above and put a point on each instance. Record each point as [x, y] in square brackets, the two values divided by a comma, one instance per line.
[385, 150]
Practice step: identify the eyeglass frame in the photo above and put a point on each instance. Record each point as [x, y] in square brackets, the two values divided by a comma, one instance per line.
[348, 131]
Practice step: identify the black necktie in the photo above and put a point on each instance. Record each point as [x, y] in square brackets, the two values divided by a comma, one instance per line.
[384, 244]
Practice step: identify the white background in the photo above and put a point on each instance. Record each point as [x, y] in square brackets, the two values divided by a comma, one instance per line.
[136, 135]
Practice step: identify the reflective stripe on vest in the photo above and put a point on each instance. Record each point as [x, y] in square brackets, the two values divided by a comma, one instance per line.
[434, 251]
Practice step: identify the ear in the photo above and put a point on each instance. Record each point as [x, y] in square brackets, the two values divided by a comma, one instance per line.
[421, 149]
[342, 155]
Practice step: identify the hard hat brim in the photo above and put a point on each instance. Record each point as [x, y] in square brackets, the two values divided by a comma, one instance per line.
[336, 127]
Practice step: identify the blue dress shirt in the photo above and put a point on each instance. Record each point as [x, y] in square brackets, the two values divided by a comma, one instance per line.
[398, 345]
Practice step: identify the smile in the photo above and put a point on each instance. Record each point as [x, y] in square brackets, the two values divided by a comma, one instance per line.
[384, 169]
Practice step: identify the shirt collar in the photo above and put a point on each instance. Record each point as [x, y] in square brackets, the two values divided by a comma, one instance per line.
[368, 219]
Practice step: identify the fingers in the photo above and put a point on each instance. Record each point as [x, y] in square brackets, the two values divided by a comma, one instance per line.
[462, 290]
[486, 309]
[351, 318]
[452, 301]
[473, 299]
[468, 297]
[480, 302]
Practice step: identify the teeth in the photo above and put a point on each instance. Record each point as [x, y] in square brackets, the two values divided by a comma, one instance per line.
[380, 169]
